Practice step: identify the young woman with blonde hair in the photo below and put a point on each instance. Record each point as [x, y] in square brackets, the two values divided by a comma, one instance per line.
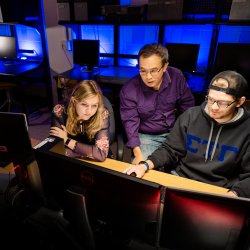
[84, 124]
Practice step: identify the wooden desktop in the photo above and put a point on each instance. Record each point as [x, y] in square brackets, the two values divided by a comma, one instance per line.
[164, 179]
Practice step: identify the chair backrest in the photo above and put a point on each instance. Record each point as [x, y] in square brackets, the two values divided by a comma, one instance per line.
[109, 106]
[76, 212]
[247, 104]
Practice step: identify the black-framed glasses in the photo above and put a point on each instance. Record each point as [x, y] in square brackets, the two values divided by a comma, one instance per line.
[220, 103]
[152, 72]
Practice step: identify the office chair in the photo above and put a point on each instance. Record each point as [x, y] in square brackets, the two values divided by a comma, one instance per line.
[7, 87]
[114, 135]
[76, 212]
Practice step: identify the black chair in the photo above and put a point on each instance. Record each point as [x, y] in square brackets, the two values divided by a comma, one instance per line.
[9, 101]
[114, 135]
[76, 212]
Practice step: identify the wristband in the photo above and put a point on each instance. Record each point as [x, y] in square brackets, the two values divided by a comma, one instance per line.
[146, 164]
[67, 142]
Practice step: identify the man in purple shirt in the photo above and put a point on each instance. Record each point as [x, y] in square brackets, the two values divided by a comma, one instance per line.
[150, 102]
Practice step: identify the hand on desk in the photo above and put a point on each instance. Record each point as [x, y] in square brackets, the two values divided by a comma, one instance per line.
[138, 169]
[59, 132]
[231, 193]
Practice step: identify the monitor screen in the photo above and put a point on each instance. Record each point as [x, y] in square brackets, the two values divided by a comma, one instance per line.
[183, 56]
[233, 56]
[86, 53]
[193, 220]
[8, 47]
[117, 199]
[15, 144]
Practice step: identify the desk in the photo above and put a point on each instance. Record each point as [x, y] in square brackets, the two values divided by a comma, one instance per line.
[155, 176]
[164, 179]
[10, 69]
[77, 74]
[117, 76]
[16, 72]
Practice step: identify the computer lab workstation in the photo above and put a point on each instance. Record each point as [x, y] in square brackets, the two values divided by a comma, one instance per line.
[93, 203]
[85, 204]
[160, 209]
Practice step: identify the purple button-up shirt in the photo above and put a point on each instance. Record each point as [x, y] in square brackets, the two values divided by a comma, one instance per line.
[150, 111]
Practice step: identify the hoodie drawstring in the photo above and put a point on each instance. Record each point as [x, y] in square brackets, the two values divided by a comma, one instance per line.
[209, 142]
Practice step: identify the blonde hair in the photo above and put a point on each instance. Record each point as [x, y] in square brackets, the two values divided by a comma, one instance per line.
[84, 90]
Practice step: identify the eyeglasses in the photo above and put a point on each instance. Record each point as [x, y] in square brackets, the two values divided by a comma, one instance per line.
[220, 103]
[152, 72]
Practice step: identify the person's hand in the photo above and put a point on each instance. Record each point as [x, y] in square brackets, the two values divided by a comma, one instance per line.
[138, 169]
[59, 132]
[231, 193]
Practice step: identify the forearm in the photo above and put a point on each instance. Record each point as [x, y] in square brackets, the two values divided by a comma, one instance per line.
[81, 150]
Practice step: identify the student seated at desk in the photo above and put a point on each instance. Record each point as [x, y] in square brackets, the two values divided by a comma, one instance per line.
[210, 143]
[84, 125]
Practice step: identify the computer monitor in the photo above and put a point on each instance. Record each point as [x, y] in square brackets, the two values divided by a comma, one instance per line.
[233, 56]
[86, 53]
[183, 56]
[193, 220]
[15, 144]
[118, 200]
[8, 49]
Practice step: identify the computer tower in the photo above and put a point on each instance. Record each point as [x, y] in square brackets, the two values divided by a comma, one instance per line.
[81, 10]
[63, 10]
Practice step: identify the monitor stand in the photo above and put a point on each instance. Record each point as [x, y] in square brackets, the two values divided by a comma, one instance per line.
[88, 68]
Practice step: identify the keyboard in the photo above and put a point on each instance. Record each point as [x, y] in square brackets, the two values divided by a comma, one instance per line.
[4, 163]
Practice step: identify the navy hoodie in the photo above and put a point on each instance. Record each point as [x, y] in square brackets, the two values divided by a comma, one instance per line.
[201, 149]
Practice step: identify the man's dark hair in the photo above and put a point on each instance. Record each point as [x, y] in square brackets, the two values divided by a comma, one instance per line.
[154, 49]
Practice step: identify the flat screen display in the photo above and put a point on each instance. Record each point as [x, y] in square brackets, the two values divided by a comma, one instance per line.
[8, 48]
[183, 56]
[15, 144]
[86, 53]
[233, 56]
[193, 220]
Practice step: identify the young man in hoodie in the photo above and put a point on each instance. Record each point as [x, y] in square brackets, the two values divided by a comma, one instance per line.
[210, 143]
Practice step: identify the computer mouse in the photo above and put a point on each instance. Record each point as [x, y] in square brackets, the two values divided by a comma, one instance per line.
[133, 174]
